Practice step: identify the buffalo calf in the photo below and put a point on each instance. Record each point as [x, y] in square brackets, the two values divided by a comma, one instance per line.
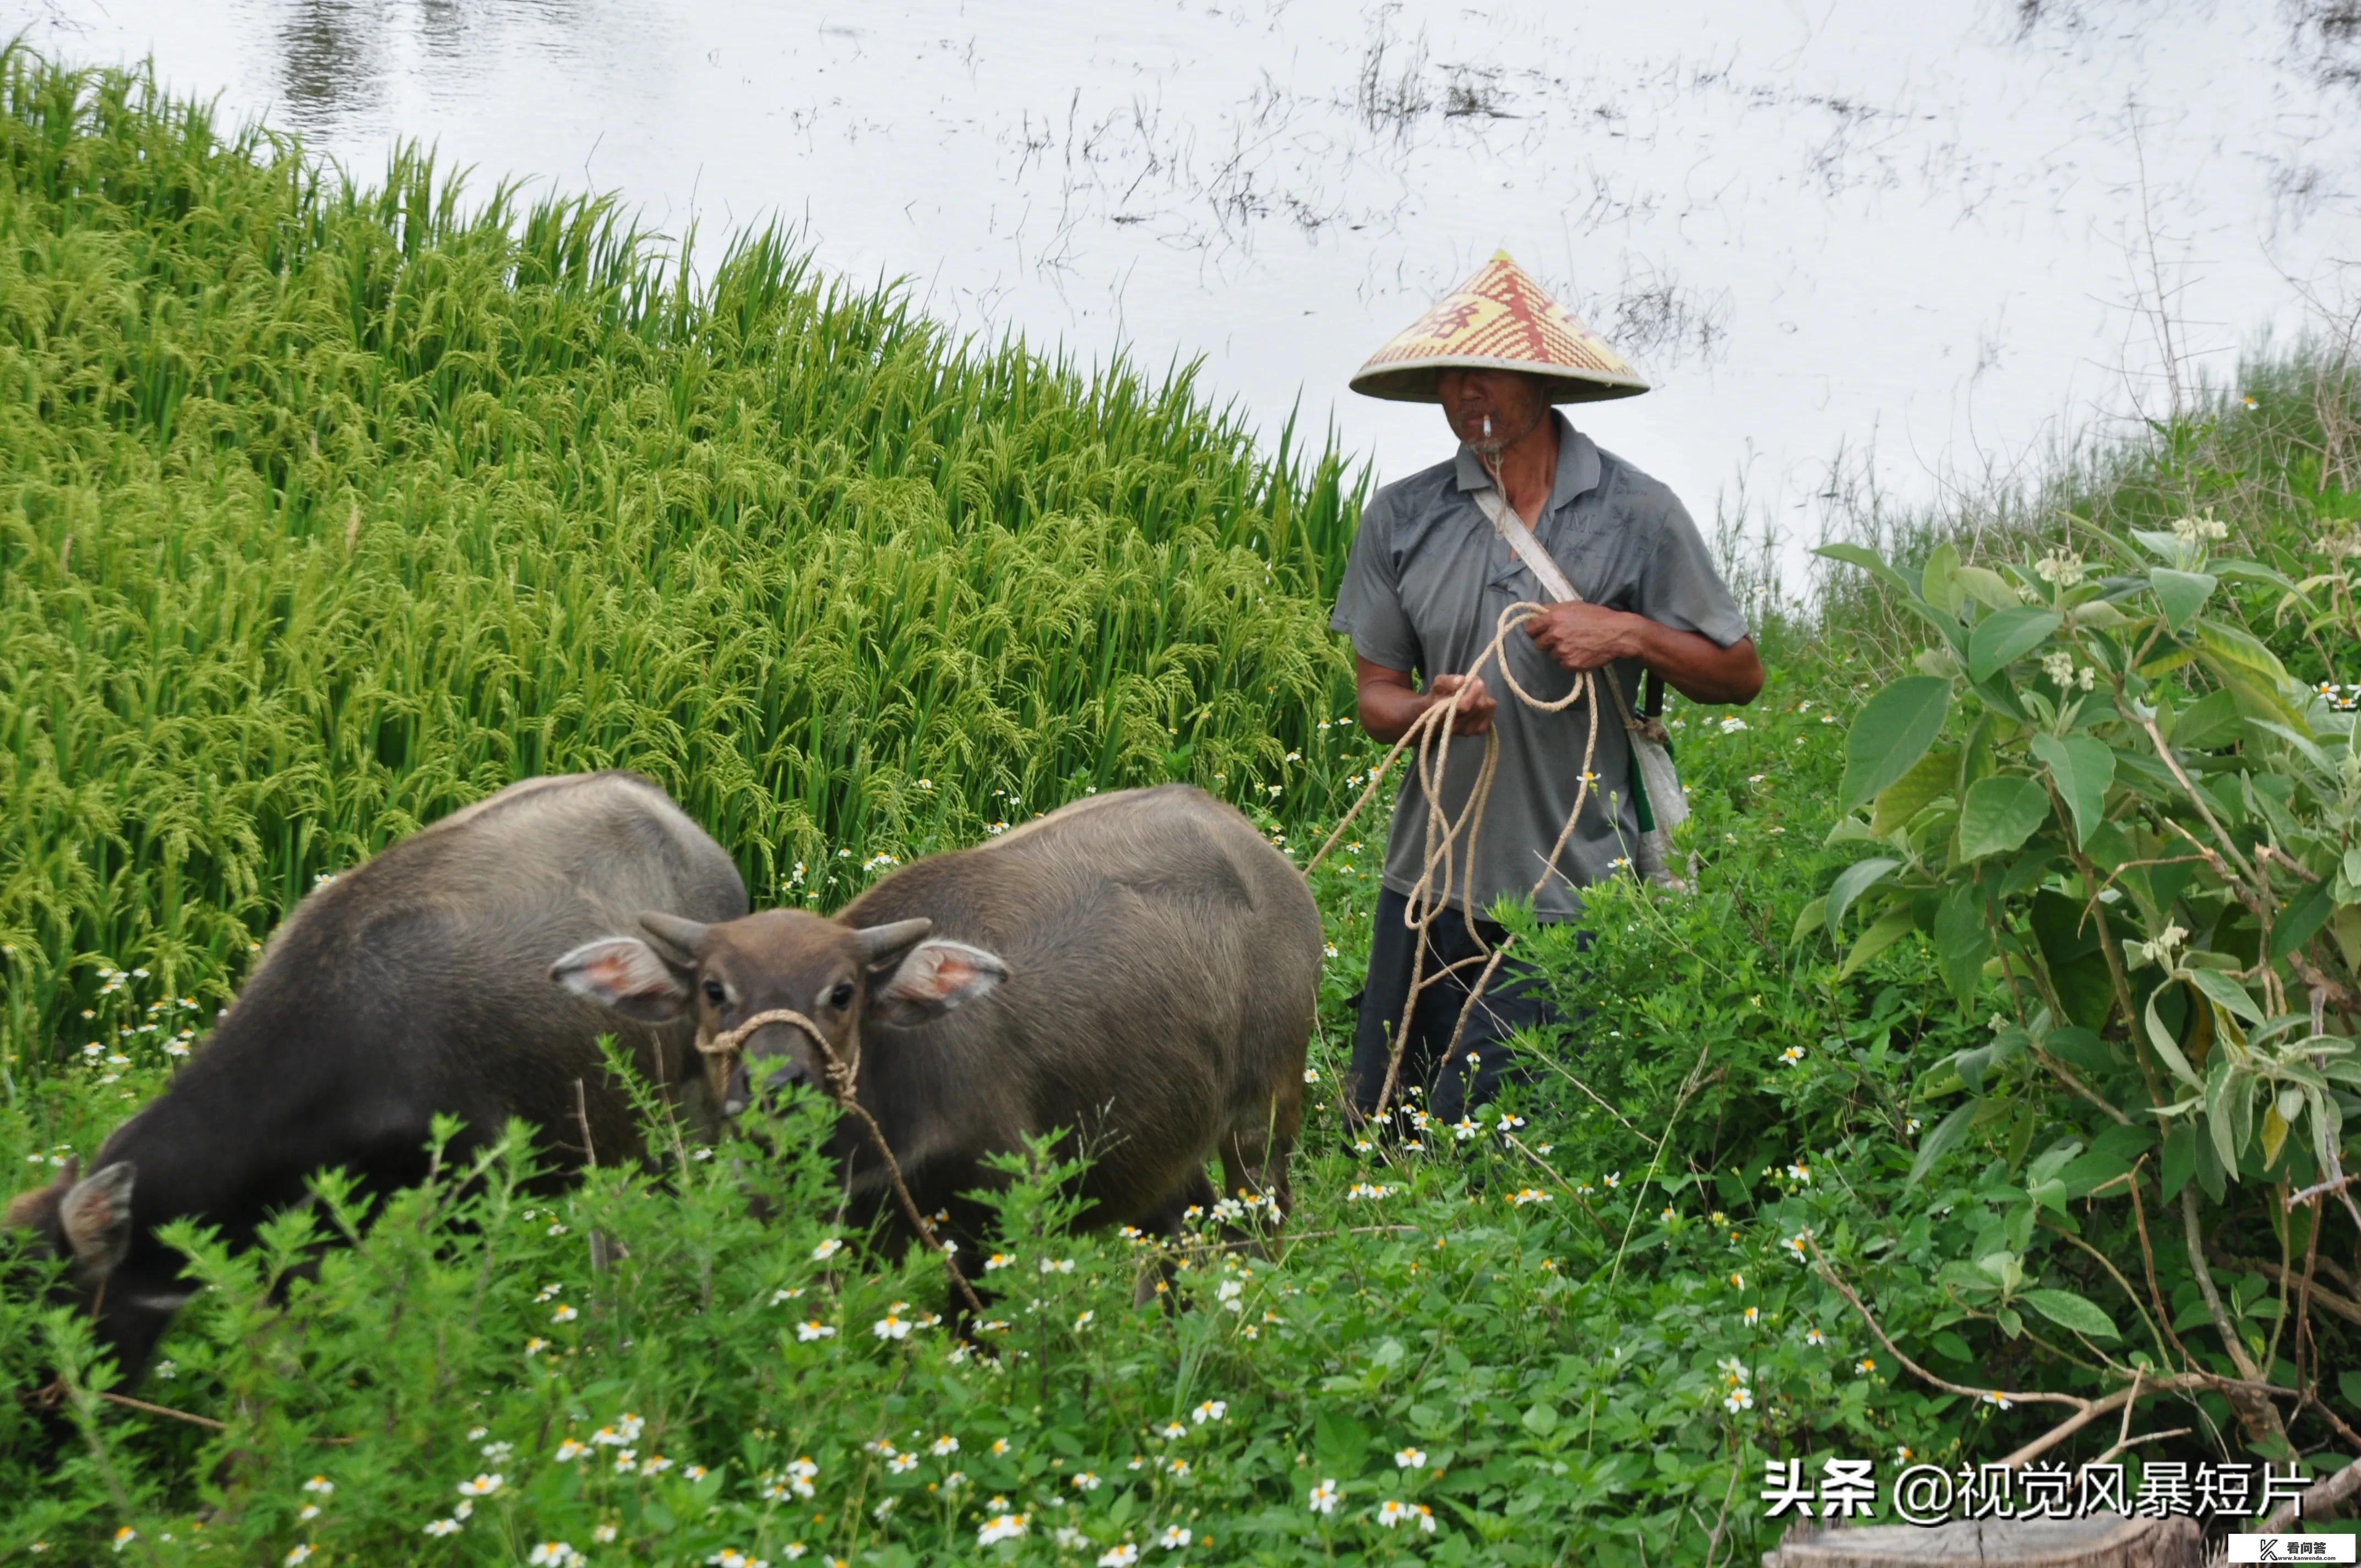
[1140, 967]
[413, 986]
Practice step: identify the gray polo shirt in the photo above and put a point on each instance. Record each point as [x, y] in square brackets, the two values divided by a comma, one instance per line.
[1423, 588]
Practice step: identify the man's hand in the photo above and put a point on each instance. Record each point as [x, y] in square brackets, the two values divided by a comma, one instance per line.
[1589, 637]
[1583, 636]
[1476, 704]
[1390, 704]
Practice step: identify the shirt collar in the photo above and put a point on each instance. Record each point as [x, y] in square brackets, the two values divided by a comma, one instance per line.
[1577, 465]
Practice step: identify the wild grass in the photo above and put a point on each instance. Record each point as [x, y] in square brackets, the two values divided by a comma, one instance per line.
[326, 507]
[2275, 452]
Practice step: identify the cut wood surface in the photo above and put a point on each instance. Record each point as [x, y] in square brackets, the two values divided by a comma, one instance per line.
[2103, 1540]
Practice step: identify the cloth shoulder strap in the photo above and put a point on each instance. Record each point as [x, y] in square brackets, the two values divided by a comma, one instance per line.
[1511, 528]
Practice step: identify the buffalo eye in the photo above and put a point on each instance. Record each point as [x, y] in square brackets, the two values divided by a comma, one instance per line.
[714, 993]
[841, 997]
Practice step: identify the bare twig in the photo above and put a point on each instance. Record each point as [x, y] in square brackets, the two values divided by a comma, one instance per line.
[1688, 1086]
[2085, 1411]
[2128, 1442]
[2349, 1311]
[1559, 1067]
[128, 1402]
[2316, 1503]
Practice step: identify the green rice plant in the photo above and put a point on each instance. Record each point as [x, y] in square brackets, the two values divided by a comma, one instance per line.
[327, 509]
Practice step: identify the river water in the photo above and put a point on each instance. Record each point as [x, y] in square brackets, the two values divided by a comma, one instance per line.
[1909, 244]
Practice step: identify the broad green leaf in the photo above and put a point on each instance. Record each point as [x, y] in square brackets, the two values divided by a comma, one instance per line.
[2228, 993]
[2100, 615]
[2224, 1089]
[2069, 1310]
[2051, 1162]
[1935, 580]
[2275, 1132]
[1890, 734]
[1937, 1144]
[2179, 1161]
[2095, 1170]
[1810, 918]
[2080, 1048]
[2303, 915]
[1888, 930]
[2251, 572]
[1933, 776]
[2005, 636]
[2239, 648]
[2005, 1269]
[1963, 940]
[2083, 769]
[2346, 927]
[2163, 545]
[2000, 814]
[1851, 882]
[1868, 561]
[2259, 698]
[1975, 1064]
[1987, 588]
[2212, 1176]
[2302, 743]
[2180, 595]
[2212, 721]
[2168, 1049]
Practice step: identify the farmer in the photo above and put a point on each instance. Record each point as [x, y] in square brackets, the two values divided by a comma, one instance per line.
[1425, 585]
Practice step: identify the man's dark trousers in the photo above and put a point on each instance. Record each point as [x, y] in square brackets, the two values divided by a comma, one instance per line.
[1512, 1000]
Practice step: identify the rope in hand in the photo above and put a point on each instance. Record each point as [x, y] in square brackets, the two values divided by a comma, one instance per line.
[721, 1051]
[1431, 895]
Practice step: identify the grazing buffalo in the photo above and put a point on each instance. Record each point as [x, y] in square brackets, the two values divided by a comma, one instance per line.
[1138, 968]
[413, 986]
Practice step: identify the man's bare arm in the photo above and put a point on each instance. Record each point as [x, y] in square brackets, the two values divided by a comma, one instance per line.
[1589, 636]
[1390, 704]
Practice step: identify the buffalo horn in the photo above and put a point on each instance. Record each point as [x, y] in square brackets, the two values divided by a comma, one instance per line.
[674, 931]
[885, 941]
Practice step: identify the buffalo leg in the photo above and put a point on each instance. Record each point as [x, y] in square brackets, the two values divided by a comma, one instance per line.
[1254, 1164]
[1166, 1223]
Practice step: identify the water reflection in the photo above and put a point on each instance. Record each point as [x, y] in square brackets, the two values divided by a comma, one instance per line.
[332, 61]
[1849, 241]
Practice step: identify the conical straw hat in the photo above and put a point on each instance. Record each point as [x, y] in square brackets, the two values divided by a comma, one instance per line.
[1498, 320]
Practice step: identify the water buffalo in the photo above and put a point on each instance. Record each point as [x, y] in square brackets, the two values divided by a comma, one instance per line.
[1140, 967]
[414, 985]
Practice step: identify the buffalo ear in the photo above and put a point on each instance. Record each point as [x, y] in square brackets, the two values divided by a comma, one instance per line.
[935, 978]
[94, 1219]
[626, 974]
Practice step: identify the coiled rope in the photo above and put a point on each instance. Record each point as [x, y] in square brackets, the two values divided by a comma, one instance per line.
[842, 1072]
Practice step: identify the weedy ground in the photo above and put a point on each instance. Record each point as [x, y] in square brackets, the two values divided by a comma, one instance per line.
[327, 509]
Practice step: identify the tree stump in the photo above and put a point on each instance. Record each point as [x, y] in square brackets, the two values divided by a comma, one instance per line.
[2103, 1540]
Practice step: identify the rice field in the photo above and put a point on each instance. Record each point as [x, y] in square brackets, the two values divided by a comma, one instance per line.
[329, 505]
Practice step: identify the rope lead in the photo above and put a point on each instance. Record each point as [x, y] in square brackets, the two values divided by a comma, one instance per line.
[721, 1053]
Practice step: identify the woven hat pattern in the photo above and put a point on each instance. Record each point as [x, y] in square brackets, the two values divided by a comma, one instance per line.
[1498, 319]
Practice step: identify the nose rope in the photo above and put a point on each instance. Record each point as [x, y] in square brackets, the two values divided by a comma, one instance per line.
[721, 1052]
[727, 1046]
